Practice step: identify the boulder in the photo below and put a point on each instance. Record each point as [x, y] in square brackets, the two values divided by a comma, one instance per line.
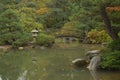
[42, 47]
[79, 62]
[91, 60]
[20, 48]
[94, 62]
[93, 52]
[90, 54]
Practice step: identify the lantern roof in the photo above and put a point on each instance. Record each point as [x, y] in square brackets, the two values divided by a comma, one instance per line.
[34, 31]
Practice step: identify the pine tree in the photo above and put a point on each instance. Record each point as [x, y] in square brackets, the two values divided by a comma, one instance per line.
[10, 26]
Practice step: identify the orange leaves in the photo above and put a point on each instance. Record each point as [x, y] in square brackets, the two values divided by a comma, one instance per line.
[43, 10]
[96, 36]
[116, 8]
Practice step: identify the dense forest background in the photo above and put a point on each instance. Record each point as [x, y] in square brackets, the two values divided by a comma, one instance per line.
[63, 17]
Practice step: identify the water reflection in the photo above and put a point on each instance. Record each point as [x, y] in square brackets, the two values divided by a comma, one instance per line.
[0, 77]
[23, 75]
[48, 64]
[95, 75]
[80, 74]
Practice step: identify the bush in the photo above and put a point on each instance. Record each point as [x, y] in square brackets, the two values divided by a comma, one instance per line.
[23, 40]
[96, 36]
[31, 4]
[115, 45]
[45, 40]
[2, 42]
[111, 61]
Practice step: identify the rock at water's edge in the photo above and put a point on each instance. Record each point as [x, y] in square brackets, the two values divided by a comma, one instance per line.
[90, 54]
[94, 63]
[79, 62]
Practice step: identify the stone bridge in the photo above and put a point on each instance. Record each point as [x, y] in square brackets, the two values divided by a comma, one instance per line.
[69, 38]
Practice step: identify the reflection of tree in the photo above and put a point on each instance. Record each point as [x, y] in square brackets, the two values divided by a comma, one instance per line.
[23, 75]
[9, 71]
[12, 65]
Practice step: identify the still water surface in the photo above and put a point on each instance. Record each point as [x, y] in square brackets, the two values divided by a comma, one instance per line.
[49, 64]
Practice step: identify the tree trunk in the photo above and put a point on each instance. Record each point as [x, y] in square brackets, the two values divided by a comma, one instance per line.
[108, 26]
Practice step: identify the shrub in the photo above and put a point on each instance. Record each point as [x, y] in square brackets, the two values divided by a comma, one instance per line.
[2, 42]
[31, 4]
[96, 36]
[111, 61]
[46, 40]
[23, 40]
[115, 45]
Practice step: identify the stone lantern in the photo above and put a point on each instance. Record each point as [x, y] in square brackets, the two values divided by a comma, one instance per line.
[34, 33]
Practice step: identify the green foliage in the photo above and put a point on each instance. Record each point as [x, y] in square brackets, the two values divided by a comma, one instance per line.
[31, 4]
[115, 45]
[84, 15]
[111, 61]
[45, 40]
[88, 12]
[58, 16]
[10, 26]
[2, 42]
[96, 36]
[1, 7]
[28, 19]
[17, 16]
[69, 28]
[23, 40]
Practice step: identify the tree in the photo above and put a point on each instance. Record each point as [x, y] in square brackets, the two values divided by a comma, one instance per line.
[58, 14]
[108, 25]
[28, 18]
[89, 11]
[83, 16]
[69, 29]
[10, 26]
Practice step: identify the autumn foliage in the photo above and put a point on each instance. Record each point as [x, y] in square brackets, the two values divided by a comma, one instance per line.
[96, 36]
[116, 8]
[43, 10]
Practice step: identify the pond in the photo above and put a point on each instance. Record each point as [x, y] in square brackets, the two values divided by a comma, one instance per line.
[49, 64]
